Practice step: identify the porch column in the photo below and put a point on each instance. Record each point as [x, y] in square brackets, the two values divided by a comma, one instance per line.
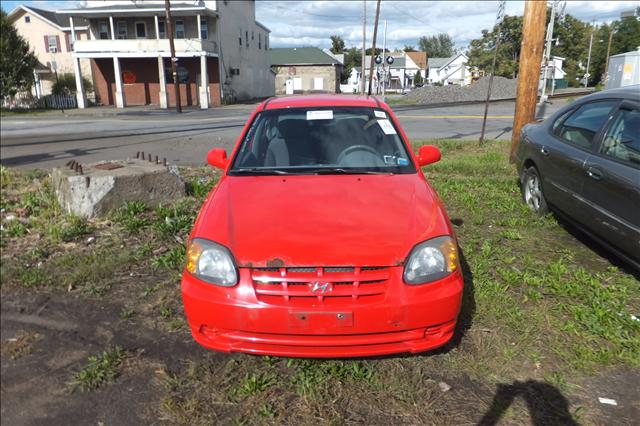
[73, 29]
[204, 83]
[82, 99]
[37, 86]
[113, 30]
[163, 84]
[119, 88]
[155, 20]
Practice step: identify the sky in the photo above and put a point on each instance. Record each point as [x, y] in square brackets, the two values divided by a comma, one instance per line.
[310, 23]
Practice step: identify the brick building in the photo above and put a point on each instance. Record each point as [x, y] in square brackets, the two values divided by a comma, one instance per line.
[304, 70]
[221, 51]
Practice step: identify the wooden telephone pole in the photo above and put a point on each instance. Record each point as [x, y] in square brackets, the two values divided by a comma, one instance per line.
[373, 50]
[535, 14]
[174, 60]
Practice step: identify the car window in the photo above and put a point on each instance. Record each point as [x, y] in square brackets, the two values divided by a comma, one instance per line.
[584, 124]
[622, 140]
[558, 122]
[322, 140]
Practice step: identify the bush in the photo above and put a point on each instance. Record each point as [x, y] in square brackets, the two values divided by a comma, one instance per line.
[65, 84]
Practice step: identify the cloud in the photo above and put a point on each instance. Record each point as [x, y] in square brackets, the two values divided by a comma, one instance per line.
[302, 23]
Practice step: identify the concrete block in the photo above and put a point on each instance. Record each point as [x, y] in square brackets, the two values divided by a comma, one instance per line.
[101, 187]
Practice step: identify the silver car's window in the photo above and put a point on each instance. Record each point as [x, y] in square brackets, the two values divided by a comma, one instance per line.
[622, 140]
[584, 124]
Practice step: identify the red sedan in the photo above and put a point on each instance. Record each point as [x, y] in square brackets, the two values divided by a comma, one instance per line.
[322, 238]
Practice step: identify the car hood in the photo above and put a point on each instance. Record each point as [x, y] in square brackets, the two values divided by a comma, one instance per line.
[350, 220]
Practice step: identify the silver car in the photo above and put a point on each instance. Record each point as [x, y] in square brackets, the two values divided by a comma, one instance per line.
[584, 163]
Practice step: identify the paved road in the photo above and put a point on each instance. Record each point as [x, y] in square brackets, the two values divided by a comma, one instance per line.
[51, 140]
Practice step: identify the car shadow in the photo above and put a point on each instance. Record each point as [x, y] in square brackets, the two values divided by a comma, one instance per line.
[594, 245]
[546, 404]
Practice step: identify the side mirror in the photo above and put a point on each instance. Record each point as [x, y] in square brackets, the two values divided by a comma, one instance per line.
[217, 157]
[428, 154]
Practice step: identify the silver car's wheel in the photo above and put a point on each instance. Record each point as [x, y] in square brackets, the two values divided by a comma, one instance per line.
[532, 191]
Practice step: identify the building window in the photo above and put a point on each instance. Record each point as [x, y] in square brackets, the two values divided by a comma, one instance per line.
[103, 30]
[252, 36]
[52, 44]
[121, 30]
[246, 38]
[240, 39]
[162, 33]
[266, 42]
[259, 41]
[141, 30]
[204, 28]
[180, 29]
[27, 19]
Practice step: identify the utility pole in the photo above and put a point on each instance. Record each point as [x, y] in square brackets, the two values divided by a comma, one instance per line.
[547, 52]
[606, 64]
[373, 50]
[174, 60]
[384, 59]
[499, 18]
[529, 68]
[586, 76]
[364, 46]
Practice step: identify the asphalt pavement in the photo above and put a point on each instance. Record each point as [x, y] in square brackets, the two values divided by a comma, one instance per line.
[52, 139]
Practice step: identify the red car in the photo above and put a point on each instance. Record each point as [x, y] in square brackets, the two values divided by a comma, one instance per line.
[322, 238]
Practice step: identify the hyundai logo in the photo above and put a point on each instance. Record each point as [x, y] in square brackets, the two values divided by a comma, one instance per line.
[320, 287]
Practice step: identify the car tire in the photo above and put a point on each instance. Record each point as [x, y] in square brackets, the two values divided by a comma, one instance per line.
[532, 194]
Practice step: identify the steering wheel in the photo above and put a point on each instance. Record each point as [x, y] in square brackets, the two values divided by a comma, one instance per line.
[354, 148]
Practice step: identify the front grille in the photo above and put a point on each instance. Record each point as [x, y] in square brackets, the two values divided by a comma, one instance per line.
[312, 286]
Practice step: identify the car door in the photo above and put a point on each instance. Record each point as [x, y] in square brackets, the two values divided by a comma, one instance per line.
[565, 153]
[613, 186]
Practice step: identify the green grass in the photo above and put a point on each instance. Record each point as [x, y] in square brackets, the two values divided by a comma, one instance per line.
[100, 369]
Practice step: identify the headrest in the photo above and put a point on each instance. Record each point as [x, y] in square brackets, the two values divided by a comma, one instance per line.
[293, 128]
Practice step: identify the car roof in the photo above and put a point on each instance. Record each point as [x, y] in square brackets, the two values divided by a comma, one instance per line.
[627, 92]
[302, 101]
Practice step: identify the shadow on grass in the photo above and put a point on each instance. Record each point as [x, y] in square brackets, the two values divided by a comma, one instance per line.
[546, 404]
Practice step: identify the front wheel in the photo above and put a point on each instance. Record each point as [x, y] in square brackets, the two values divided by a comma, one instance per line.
[532, 191]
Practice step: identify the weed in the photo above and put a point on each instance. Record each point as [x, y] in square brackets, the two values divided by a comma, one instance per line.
[100, 369]
[126, 313]
[75, 228]
[15, 228]
[254, 383]
[173, 259]
[201, 186]
[267, 410]
[174, 220]
[131, 216]
[34, 277]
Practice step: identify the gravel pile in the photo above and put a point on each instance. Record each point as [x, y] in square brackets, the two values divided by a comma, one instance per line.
[502, 88]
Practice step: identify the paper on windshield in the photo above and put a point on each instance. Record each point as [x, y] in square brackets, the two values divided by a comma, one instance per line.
[380, 114]
[387, 127]
[320, 115]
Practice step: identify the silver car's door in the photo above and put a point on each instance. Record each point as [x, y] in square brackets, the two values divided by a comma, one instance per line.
[567, 151]
[613, 186]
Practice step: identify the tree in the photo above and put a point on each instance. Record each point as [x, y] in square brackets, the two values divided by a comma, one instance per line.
[408, 48]
[480, 51]
[337, 44]
[438, 46]
[417, 79]
[66, 85]
[352, 59]
[17, 61]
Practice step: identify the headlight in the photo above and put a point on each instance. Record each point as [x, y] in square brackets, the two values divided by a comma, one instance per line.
[431, 260]
[211, 262]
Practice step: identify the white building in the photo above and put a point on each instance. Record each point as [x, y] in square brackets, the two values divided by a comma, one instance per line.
[452, 70]
[222, 52]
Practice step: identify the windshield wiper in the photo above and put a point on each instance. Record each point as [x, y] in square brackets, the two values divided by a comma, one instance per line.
[259, 171]
[342, 171]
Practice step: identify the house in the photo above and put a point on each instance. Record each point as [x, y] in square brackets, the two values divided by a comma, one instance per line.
[452, 70]
[305, 69]
[400, 74]
[50, 37]
[221, 52]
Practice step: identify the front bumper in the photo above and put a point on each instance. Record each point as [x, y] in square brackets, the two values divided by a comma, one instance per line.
[408, 319]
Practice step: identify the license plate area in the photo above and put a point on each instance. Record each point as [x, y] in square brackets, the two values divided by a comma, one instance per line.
[320, 321]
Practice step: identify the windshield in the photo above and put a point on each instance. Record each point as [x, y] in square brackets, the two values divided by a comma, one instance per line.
[322, 141]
